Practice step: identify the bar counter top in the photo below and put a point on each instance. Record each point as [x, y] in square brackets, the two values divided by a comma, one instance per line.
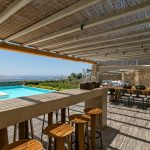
[20, 109]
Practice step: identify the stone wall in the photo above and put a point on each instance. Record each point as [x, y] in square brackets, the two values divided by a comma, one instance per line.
[110, 76]
[134, 77]
[103, 76]
[138, 77]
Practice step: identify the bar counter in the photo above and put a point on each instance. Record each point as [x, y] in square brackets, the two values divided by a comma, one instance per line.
[21, 109]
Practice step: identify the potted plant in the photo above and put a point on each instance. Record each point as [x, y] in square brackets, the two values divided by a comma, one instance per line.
[140, 87]
[127, 86]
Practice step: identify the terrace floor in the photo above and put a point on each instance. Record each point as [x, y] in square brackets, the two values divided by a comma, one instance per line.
[128, 128]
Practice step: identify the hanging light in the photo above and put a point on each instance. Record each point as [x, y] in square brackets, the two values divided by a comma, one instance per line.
[124, 53]
[82, 26]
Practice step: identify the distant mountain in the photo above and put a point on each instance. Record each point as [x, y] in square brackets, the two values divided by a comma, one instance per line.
[6, 78]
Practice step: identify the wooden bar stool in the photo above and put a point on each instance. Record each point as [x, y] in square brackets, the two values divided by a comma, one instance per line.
[27, 144]
[63, 116]
[80, 120]
[94, 112]
[59, 131]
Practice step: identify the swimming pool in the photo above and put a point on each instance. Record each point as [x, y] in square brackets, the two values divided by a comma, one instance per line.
[9, 92]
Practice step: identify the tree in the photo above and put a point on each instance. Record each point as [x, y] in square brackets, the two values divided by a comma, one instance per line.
[79, 76]
[73, 75]
[69, 78]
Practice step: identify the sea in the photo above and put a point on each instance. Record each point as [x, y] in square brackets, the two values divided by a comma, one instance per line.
[7, 78]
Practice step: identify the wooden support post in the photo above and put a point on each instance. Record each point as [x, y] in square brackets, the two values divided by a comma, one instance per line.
[50, 121]
[63, 115]
[3, 138]
[50, 118]
[23, 130]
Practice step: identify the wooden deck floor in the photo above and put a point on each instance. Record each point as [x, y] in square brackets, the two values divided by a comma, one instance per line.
[128, 128]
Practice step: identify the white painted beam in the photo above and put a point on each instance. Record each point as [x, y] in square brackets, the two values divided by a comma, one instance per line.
[12, 9]
[61, 14]
[117, 45]
[116, 15]
[117, 29]
[89, 44]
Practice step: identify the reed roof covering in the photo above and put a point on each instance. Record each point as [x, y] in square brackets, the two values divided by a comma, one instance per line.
[96, 31]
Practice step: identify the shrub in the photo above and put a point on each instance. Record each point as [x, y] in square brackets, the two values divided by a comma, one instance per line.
[127, 86]
[140, 87]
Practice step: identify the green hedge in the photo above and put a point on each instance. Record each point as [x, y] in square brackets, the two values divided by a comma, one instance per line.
[53, 85]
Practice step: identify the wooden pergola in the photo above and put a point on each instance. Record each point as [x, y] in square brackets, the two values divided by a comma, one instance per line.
[102, 32]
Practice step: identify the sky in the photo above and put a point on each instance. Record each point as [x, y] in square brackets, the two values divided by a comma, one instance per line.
[13, 63]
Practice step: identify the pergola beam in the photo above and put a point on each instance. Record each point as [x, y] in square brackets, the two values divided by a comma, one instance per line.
[119, 54]
[117, 29]
[112, 49]
[124, 27]
[59, 15]
[116, 45]
[116, 15]
[113, 68]
[12, 9]
[120, 57]
[130, 35]
[16, 48]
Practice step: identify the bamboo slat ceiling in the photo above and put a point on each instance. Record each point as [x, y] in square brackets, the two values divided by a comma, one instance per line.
[101, 31]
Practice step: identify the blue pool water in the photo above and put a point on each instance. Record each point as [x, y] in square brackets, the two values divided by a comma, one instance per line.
[20, 91]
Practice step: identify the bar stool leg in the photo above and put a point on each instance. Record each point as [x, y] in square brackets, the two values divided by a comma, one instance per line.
[63, 115]
[42, 129]
[68, 111]
[87, 135]
[93, 129]
[59, 144]
[50, 121]
[79, 137]
[100, 133]
[71, 134]
[69, 142]
[76, 137]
